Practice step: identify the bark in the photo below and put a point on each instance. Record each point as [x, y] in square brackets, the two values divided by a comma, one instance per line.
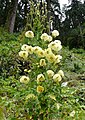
[41, 7]
[48, 14]
[10, 22]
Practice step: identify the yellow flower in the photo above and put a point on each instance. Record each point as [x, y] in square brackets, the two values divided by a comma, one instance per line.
[40, 53]
[61, 73]
[57, 78]
[57, 61]
[50, 38]
[52, 97]
[55, 33]
[30, 96]
[55, 46]
[52, 45]
[24, 47]
[45, 37]
[49, 55]
[40, 78]
[29, 34]
[57, 41]
[51, 58]
[42, 62]
[50, 73]
[36, 49]
[29, 49]
[58, 47]
[23, 54]
[40, 89]
[24, 79]
[47, 51]
[58, 58]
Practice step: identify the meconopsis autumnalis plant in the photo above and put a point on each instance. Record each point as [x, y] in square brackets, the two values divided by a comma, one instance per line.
[43, 79]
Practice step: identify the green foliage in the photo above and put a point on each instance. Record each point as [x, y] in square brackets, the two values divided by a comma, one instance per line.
[73, 25]
[14, 95]
[74, 60]
[4, 36]
[75, 38]
[37, 18]
[9, 47]
[2, 116]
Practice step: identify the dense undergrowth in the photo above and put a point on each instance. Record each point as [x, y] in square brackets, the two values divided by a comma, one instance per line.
[13, 105]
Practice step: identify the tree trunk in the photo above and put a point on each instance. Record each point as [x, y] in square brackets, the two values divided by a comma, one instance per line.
[48, 14]
[10, 22]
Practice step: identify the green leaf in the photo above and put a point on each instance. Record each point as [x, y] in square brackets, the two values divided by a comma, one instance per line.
[2, 116]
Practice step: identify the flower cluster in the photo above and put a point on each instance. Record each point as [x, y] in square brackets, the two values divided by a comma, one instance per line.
[50, 74]
[49, 38]
[48, 53]
[44, 54]
[46, 37]
[44, 75]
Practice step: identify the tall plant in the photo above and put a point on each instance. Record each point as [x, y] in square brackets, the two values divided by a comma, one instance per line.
[44, 77]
